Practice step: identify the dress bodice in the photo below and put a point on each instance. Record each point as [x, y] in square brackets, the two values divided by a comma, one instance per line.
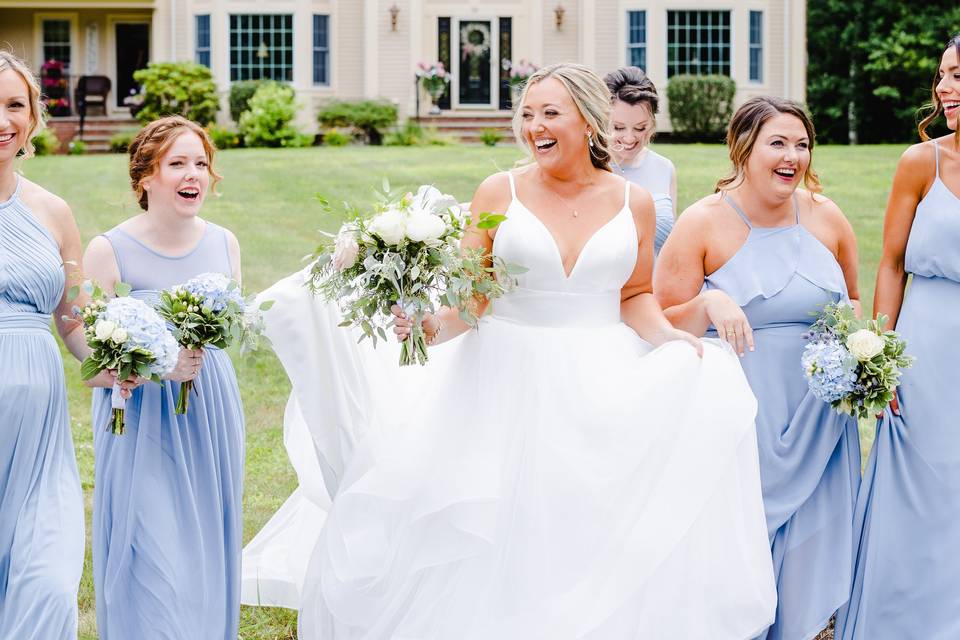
[655, 174]
[780, 275]
[31, 269]
[148, 271]
[935, 234]
[545, 294]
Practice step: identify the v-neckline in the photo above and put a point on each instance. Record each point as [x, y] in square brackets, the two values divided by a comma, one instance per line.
[556, 246]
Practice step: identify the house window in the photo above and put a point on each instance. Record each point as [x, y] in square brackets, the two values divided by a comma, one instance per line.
[756, 46]
[261, 47]
[637, 38]
[203, 40]
[321, 49]
[56, 41]
[698, 42]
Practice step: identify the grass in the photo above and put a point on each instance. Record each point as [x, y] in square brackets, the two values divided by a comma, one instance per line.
[269, 202]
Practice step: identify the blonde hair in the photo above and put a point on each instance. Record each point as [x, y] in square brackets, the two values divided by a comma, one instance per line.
[936, 107]
[592, 99]
[37, 111]
[745, 127]
[153, 141]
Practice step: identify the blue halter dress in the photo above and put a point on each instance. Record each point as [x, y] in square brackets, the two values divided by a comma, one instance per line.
[809, 454]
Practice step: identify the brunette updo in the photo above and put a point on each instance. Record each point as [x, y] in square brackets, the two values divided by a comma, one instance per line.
[152, 143]
[631, 85]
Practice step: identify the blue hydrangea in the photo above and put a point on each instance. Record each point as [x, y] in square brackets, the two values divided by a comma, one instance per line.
[216, 289]
[145, 330]
[830, 369]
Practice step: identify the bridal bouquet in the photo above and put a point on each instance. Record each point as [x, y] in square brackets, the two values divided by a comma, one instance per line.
[208, 310]
[853, 363]
[126, 335]
[408, 253]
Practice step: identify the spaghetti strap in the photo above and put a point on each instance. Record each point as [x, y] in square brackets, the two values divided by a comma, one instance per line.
[626, 194]
[796, 207]
[739, 211]
[513, 186]
[936, 155]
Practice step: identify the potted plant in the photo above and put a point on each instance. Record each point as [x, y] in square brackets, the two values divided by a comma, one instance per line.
[435, 79]
[55, 84]
[517, 75]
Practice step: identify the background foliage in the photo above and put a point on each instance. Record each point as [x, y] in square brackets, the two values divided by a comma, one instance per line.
[177, 88]
[871, 64]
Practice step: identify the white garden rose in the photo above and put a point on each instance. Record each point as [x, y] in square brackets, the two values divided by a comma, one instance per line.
[864, 344]
[119, 335]
[389, 226]
[431, 199]
[103, 329]
[345, 248]
[423, 226]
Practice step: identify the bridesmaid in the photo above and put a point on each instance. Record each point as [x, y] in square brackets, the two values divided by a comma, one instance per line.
[167, 497]
[908, 515]
[41, 505]
[634, 113]
[751, 264]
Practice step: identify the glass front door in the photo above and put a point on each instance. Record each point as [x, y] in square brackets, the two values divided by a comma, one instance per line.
[475, 70]
[133, 53]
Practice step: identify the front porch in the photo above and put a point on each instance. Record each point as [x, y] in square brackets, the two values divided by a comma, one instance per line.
[74, 44]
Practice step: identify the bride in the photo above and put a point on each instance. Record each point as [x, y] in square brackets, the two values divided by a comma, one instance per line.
[573, 468]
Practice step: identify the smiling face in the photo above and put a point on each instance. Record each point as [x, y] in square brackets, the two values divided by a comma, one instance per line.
[948, 86]
[15, 114]
[780, 155]
[182, 177]
[633, 126]
[552, 125]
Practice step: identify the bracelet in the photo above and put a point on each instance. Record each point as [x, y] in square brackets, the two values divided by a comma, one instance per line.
[436, 332]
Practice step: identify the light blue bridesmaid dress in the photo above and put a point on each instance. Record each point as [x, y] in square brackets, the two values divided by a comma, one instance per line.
[809, 454]
[907, 575]
[41, 505]
[167, 499]
[655, 174]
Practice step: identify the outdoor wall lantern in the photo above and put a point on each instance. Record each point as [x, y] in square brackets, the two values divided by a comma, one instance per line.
[558, 14]
[394, 13]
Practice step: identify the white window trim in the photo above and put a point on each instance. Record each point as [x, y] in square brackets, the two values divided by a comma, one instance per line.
[625, 29]
[329, 83]
[74, 19]
[734, 67]
[764, 48]
[194, 33]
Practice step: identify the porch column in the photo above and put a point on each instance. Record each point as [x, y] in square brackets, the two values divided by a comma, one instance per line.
[160, 32]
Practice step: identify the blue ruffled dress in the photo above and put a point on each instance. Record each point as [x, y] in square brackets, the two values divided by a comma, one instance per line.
[907, 580]
[809, 454]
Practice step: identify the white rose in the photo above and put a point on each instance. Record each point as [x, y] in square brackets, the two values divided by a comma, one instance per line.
[864, 344]
[119, 335]
[345, 249]
[104, 329]
[432, 200]
[423, 226]
[390, 226]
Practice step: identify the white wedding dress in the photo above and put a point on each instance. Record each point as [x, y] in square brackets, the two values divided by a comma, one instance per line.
[546, 476]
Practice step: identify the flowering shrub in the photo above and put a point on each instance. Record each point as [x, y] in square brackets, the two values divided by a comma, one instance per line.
[268, 121]
[519, 72]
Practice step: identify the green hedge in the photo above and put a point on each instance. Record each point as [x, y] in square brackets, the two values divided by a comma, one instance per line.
[370, 117]
[177, 88]
[268, 121]
[700, 106]
[240, 94]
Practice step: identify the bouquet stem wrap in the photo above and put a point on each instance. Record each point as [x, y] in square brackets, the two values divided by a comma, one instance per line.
[119, 404]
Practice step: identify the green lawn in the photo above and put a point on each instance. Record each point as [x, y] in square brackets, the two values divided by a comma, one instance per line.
[269, 202]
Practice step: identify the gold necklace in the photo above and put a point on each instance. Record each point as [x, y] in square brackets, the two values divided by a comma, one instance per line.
[576, 214]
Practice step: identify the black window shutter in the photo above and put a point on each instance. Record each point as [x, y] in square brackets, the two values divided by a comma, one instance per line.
[506, 53]
[443, 49]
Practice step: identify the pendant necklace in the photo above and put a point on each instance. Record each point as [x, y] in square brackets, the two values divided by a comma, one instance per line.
[576, 214]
